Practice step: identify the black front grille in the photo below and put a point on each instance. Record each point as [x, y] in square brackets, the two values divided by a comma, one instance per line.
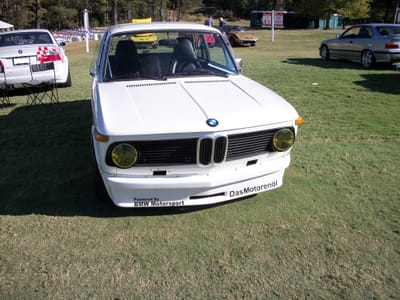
[205, 150]
[212, 149]
[164, 152]
[248, 144]
[220, 149]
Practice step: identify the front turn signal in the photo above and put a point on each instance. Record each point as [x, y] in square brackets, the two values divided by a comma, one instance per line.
[100, 137]
[299, 121]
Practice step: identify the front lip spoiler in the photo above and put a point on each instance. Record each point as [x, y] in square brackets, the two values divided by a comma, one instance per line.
[196, 189]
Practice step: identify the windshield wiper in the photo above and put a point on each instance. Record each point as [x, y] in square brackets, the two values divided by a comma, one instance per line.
[208, 72]
[200, 72]
[138, 77]
[152, 77]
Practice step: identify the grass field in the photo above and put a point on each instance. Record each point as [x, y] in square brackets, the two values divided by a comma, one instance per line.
[331, 231]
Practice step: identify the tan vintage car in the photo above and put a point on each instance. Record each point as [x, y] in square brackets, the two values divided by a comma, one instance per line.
[239, 36]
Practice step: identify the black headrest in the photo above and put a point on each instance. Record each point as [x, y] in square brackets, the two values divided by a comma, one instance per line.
[126, 47]
[184, 50]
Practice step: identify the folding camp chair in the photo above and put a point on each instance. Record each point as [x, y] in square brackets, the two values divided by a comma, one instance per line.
[43, 84]
[4, 97]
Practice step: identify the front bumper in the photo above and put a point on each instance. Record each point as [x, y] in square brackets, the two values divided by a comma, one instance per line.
[218, 185]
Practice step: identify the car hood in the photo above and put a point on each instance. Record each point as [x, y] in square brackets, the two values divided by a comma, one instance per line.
[185, 105]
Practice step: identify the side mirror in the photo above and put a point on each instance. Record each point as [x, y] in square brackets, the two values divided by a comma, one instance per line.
[239, 63]
[338, 36]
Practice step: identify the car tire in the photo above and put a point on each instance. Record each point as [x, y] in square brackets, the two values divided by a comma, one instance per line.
[324, 52]
[367, 59]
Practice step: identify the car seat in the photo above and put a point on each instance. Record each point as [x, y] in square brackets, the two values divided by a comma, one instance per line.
[364, 33]
[126, 59]
[184, 59]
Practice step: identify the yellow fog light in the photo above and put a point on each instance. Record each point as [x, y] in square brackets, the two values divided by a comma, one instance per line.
[124, 156]
[283, 139]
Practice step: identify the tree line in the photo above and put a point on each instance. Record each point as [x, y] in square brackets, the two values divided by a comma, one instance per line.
[59, 14]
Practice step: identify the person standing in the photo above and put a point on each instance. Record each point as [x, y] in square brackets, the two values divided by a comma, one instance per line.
[222, 24]
[209, 21]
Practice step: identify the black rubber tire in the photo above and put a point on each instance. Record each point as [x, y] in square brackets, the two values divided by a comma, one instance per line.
[99, 187]
[324, 52]
[367, 59]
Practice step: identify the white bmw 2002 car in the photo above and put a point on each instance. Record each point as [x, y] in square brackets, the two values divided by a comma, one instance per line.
[29, 50]
[179, 125]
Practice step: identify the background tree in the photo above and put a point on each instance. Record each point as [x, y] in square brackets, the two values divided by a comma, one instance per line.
[383, 10]
[351, 9]
[356, 10]
[57, 14]
[17, 12]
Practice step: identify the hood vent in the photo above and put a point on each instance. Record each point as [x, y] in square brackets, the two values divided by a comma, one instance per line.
[142, 84]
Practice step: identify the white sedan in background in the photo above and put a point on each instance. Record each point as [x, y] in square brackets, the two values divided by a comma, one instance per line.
[24, 50]
[179, 125]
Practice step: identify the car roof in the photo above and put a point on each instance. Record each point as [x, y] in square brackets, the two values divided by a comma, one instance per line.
[163, 26]
[24, 31]
[376, 24]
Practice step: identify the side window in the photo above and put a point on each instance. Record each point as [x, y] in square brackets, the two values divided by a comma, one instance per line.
[218, 51]
[384, 31]
[352, 33]
[200, 47]
[365, 32]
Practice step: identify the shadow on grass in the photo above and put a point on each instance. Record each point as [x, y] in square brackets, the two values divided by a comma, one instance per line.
[46, 164]
[387, 82]
[335, 64]
[330, 64]
[384, 83]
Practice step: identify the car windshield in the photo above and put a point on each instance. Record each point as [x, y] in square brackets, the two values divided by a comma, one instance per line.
[24, 38]
[159, 55]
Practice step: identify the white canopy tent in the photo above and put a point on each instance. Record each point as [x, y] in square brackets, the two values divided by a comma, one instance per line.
[4, 26]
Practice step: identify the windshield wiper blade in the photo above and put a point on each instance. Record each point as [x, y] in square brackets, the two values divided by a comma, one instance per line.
[152, 77]
[208, 72]
[201, 72]
[137, 77]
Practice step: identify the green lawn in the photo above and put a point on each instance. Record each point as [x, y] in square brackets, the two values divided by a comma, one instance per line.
[331, 231]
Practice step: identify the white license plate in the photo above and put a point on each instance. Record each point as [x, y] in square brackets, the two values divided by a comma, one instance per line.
[21, 61]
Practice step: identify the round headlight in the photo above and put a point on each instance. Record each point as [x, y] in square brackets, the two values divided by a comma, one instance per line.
[283, 139]
[124, 156]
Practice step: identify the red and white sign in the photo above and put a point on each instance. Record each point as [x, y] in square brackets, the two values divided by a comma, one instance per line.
[267, 20]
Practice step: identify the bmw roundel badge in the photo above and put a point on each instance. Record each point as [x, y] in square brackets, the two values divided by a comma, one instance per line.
[212, 122]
